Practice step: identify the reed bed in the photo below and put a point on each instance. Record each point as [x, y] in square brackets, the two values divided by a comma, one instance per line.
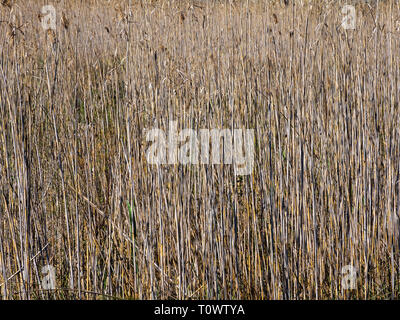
[77, 192]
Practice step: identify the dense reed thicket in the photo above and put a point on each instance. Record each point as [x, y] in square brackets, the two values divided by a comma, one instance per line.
[77, 192]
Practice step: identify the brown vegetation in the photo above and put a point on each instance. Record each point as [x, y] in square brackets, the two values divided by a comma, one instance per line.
[324, 192]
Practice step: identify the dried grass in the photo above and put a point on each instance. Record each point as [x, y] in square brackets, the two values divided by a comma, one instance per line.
[324, 192]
